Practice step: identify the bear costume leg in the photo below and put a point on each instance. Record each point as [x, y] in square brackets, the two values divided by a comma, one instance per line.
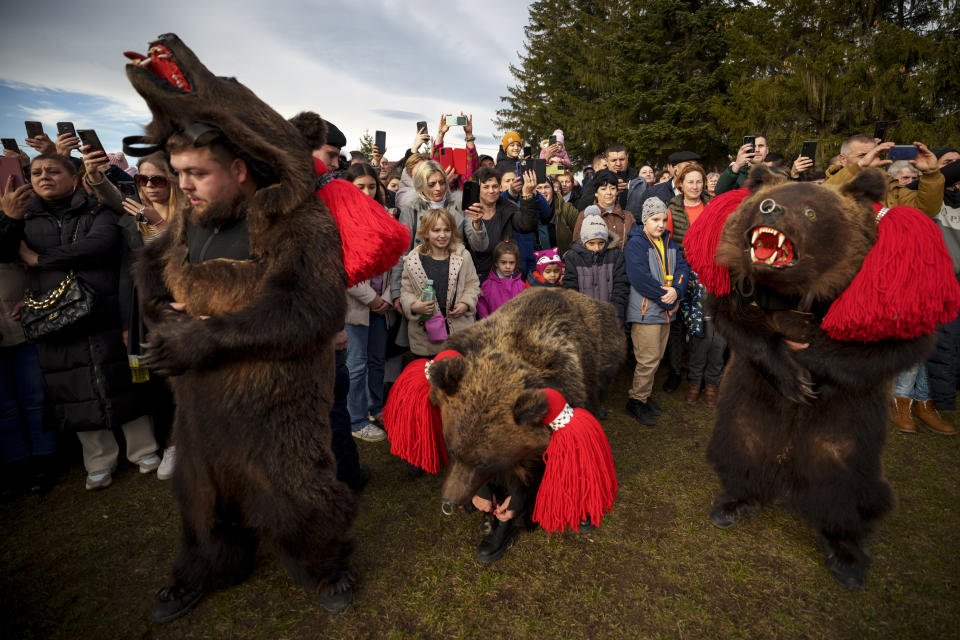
[838, 486]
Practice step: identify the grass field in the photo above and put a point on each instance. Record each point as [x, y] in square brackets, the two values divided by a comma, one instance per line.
[79, 564]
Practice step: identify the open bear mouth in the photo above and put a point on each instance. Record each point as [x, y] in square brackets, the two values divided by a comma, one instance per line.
[771, 248]
[161, 63]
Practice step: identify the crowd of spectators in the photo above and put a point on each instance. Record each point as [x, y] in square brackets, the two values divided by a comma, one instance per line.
[612, 230]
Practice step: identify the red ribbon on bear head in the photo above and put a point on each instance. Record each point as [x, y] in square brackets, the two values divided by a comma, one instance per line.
[904, 288]
[372, 239]
[412, 422]
[580, 480]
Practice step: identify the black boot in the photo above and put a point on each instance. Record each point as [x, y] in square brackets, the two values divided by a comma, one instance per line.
[495, 544]
[641, 412]
[672, 383]
[654, 408]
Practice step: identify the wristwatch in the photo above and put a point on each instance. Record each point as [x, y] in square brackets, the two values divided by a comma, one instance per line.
[141, 218]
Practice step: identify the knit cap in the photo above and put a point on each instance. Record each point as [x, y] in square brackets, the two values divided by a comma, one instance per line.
[651, 207]
[559, 135]
[593, 227]
[508, 138]
[545, 258]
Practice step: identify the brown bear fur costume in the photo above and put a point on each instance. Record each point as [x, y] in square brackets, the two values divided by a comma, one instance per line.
[805, 424]
[253, 383]
[492, 399]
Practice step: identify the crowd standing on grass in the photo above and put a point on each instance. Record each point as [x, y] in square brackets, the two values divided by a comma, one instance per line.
[613, 231]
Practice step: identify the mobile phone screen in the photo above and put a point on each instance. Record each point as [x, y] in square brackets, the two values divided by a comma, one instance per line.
[66, 127]
[34, 128]
[10, 166]
[902, 152]
[471, 193]
[11, 144]
[381, 140]
[89, 137]
[809, 149]
[422, 125]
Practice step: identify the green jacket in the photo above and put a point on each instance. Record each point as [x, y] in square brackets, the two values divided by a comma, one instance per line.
[566, 216]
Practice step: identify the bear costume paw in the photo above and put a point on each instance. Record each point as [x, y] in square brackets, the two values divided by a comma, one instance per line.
[728, 512]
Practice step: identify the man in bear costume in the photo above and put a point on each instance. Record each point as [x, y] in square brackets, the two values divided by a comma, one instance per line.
[242, 295]
[823, 297]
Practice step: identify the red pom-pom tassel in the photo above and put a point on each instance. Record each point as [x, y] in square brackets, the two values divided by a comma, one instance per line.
[580, 481]
[701, 239]
[372, 240]
[412, 423]
[905, 287]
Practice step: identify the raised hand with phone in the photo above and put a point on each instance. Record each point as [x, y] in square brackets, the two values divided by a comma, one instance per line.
[37, 139]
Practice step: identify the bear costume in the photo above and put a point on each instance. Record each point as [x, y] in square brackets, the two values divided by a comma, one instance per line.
[802, 413]
[498, 386]
[251, 359]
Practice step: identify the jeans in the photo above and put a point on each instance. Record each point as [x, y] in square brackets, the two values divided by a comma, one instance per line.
[706, 356]
[913, 383]
[366, 353]
[21, 406]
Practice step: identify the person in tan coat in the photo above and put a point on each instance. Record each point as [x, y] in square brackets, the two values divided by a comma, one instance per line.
[442, 258]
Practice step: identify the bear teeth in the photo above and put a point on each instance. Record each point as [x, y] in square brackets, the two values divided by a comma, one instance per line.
[780, 240]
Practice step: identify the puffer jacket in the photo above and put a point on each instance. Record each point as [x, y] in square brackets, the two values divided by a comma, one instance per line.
[463, 286]
[647, 275]
[601, 275]
[85, 370]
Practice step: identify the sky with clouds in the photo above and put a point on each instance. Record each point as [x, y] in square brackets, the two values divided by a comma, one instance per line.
[363, 64]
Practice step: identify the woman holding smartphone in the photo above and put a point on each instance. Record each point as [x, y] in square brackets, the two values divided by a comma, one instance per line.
[57, 229]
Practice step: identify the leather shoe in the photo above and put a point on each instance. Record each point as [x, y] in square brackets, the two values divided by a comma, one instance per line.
[901, 417]
[693, 392]
[710, 396]
[653, 407]
[175, 602]
[672, 383]
[929, 415]
[494, 545]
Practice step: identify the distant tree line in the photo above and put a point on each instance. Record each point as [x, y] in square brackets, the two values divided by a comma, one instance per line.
[663, 75]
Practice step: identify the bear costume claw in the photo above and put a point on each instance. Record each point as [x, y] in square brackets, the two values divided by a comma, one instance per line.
[727, 512]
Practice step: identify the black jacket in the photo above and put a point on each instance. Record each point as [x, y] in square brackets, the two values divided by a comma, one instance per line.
[601, 275]
[588, 194]
[86, 373]
[509, 218]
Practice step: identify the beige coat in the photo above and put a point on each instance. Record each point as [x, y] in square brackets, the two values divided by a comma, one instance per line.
[464, 286]
[359, 297]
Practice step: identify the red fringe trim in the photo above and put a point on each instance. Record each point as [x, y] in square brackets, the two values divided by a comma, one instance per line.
[413, 424]
[701, 239]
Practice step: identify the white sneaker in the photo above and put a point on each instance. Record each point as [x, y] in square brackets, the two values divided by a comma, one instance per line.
[99, 480]
[149, 464]
[370, 433]
[165, 470]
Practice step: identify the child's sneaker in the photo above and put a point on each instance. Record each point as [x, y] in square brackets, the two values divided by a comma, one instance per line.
[167, 465]
[149, 464]
[99, 480]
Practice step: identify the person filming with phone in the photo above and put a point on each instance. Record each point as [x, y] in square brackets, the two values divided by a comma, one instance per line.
[859, 152]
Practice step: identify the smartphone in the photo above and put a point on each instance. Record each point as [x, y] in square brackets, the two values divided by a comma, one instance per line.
[456, 121]
[880, 129]
[129, 190]
[471, 194]
[66, 127]
[10, 166]
[902, 152]
[460, 160]
[34, 128]
[750, 140]
[809, 149]
[11, 144]
[380, 139]
[422, 125]
[553, 139]
[538, 166]
[89, 137]
[555, 170]
[527, 152]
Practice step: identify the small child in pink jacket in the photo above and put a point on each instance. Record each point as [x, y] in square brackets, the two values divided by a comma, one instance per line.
[504, 281]
[559, 157]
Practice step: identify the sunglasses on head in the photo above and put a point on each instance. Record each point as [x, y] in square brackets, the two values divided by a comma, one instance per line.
[156, 181]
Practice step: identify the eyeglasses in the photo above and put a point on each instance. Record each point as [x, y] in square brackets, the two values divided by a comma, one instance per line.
[156, 181]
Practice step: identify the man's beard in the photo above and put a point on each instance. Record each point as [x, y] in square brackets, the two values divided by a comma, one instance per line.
[216, 214]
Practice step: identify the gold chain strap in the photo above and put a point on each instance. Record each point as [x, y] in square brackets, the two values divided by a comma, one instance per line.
[51, 299]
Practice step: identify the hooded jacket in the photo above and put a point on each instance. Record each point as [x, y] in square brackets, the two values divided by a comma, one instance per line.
[602, 275]
[645, 271]
[496, 291]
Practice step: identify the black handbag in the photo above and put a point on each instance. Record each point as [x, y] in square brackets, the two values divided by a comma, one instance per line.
[62, 308]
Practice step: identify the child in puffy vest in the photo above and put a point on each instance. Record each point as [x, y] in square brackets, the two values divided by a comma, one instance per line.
[548, 271]
[504, 281]
[594, 265]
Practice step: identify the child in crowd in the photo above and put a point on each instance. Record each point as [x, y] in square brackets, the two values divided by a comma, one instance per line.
[509, 154]
[658, 276]
[595, 267]
[368, 304]
[555, 153]
[442, 258]
[548, 271]
[504, 282]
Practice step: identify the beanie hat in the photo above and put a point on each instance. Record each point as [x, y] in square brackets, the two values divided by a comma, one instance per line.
[335, 137]
[593, 227]
[508, 138]
[651, 207]
[545, 258]
[559, 135]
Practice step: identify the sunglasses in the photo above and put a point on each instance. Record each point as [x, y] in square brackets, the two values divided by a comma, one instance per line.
[156, 181]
